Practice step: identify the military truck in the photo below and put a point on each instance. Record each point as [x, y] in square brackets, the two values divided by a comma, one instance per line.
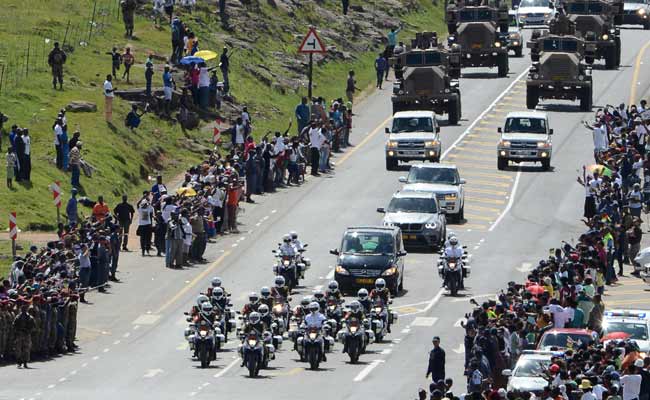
[481, 31]
[595, 22]
[427, 78]
[558, 70]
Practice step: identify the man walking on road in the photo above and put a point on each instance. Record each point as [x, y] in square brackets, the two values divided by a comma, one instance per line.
[56, 59]
[124, 213]
[380, 67]
[316, 139]
[436, 361]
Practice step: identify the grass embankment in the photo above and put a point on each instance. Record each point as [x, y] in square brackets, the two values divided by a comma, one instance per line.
[117, 153]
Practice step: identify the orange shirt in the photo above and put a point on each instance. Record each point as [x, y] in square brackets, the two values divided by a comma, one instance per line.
[100, 211]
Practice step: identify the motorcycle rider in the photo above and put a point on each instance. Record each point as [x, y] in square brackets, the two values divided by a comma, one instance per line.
[301, 310]
[381, 292]
[200, 299]
[356, 311]
[265, 314]
[455, 250]
[280, 289]
[252, 305]
[315, 319]
[255, 325]
[319, 298]
[333, 291]
[286, 248]
[217, 282]
[364, 300]
[218, 299]
[297, 244]
[265, 292]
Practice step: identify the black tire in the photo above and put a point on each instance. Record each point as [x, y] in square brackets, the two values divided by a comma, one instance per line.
[610, 58]
[618, 51]
[646, 25]
[586, 99]
[394, 290]
[453, 286]
[401, 283]
[353, 352]
[546, 165]
[379, 338]
[502, 65]
[532, 97]
[218, 347]
[204, 356]
[452, 110]
[391, 164]
[461, 214]
[460, 107]
[314, 359]
[519, 52]
[502, 164]
[252, 366]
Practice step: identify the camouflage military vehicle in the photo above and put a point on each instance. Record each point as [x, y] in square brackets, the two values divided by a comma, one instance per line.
[427, 78]
[595, 22]
[558, 70]
[481, 31]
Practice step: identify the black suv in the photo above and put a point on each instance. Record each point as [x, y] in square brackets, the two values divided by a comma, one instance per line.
[368, 253]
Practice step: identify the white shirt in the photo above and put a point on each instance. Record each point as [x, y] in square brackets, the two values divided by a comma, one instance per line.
[316, 138]
[631, 386]
[167, 212]
[600, 138]
[58, 131]
[279, 146]
[204, 77]
[315, 320]
[588, 396]
[28, 144]
[108, 89]
[187, 227]
[560, 316]
[144, 215]
[239, 134]
[245, 117]
[598, 391]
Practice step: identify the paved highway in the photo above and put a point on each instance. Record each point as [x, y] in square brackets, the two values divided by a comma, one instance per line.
[131, 339]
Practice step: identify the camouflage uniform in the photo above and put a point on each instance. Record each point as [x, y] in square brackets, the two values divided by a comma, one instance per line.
[34, 311]
[71, 331]
[4, 328]
[52, 324]
[24, 326]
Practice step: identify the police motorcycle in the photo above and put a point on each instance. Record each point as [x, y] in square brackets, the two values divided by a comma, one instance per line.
[354, 335]
[286, 263]
[256, 348]
[316, 341]
[204, 337]
[453, 268]
[379, 319]
[296, 328]
[281, 313]
[224, 312]
[303, 262]
[334, 313]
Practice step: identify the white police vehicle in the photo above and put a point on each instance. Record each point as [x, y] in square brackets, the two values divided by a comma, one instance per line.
[628, 324]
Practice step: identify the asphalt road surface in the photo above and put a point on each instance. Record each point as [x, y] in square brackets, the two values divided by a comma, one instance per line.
[131, 339]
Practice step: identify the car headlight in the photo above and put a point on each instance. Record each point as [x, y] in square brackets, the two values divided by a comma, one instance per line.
[451, 196]
[581, 77]
[542, 145]
[392, 144]
[535, 76]
[605, 36]
[641, 11]
[546, 15]
[447, 90]
[341, 271]
[515, 43]
[388, 223]
[504, 143]
[390, 271]
[497, 44]
[400, 92]
[430, 225]
[431, 143]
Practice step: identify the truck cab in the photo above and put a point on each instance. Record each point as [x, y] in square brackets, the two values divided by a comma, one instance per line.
[525, 136]
[413, 135]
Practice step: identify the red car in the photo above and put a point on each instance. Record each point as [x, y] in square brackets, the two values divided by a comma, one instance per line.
[566, 338]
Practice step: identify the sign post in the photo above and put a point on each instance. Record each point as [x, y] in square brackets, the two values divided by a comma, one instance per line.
[56, 196]
[311, 44]
[13, 232]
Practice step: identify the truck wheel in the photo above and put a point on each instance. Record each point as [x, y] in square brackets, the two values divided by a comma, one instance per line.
[646, 25]
[585, 100]
[502, 164]
[532, 98]
[460, 107]
[618, 51]
[610, 58]
[502, 65]
[589, 60]
[546, 165]
[452, 110]
[391, 164]
[519, 52]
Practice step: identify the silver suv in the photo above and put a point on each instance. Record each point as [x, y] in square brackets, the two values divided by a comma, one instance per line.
[414, 135]
[444, 181]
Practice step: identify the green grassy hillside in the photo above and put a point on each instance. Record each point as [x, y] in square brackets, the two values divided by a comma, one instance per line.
[265, 75]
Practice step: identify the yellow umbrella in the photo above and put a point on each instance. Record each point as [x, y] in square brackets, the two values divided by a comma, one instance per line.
[186, 191]
[206, 54]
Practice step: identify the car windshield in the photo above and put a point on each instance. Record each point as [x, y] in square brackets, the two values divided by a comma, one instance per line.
[635, 1]
[412, 205]
[470, 15]
[534, 3]
[367, 243]
[526, 125]
[637, 331]
[531, 368]
[565, 340]
[416, 124]
[556, 45]
[447, 176]
[585, 8]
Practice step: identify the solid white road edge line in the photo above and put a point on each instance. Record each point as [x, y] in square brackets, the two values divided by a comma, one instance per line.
[366, 371]
[223, 372]
[480, 117]
[510, 203]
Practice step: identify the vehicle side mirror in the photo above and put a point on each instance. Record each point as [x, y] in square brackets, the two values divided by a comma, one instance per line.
[443, 211]
[186, 313]
[228, 295]
[305, 245]
[381, 210]
[273, 251]
[515, 7]
[499, 130]
[550, 131]
[463, 181]
[289, 299]
[334, 252]
[437, 129]
[401, 253]
[387, 130]
[506, 372]
[402, 179]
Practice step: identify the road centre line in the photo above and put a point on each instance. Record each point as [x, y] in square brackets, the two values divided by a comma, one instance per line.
[486, 200]
[635, 74]
[365, 140]
[193, 283]
[472, 143]
[487, 175]
[366, 371]
[475, 149]
[486, 191]
[490, 183]
[469, 217]
[462, 155]
[480, 208]
[228, 367]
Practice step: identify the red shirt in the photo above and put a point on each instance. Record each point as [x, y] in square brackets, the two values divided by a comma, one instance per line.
[194, 76]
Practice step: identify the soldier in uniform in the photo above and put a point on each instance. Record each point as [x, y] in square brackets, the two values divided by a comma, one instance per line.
[56, 59]
[71, 332]
[23, 327]
[5, 325]
[34, 311]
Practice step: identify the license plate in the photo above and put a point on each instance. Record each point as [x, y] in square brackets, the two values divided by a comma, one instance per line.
[410, 153]
[413, 237]
[476, 45]
[422, 92]
[365, 281]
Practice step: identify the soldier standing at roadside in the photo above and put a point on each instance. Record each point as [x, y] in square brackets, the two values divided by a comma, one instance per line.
[23, 326]
[56, 59]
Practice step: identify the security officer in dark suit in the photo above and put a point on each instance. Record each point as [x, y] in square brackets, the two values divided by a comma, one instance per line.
[436, 361]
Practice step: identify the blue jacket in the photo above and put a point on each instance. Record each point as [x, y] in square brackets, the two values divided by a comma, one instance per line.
[302, 113]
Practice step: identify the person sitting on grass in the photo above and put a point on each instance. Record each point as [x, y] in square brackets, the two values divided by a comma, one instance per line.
[133, 119]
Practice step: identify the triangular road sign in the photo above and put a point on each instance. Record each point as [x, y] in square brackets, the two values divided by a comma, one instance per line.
[312, 43]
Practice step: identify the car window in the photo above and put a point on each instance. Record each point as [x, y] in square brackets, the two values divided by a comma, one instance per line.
[566, 340]
[534, 3]
[528, 125]
[412, 205]
[557, 45]
[414, 59]
[531, 368]
[367, 243]
[417, 124]
[447, 176]
[637, 331]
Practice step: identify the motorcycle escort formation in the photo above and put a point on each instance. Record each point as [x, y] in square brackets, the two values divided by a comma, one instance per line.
[453, 265]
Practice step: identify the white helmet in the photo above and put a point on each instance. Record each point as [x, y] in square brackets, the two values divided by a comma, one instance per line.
[279, 281]
[362, 293]
[217, 293]
[206, 307]
[216, 282]
[254, 318]
[263, 310]
[286, 238]
[333, 286]
[294, 235]
[201, 299]
[450, 235]
[314, 307]
[380, 283]
[306, 301]
[253, 298]
[355, 306]
[453, 240]
[265, 292]
[319, 295]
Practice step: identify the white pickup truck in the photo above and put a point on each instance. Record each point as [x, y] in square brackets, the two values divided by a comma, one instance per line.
[526, 136]
[414, 135]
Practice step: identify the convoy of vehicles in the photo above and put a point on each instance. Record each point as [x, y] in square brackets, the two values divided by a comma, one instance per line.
[515, 37]
[526, 136]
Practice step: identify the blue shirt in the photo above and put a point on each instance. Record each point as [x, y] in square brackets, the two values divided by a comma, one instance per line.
[167, 79]
[381, 64]
[71, 210]
[302, 113]
[12, 139]
[392, 37]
